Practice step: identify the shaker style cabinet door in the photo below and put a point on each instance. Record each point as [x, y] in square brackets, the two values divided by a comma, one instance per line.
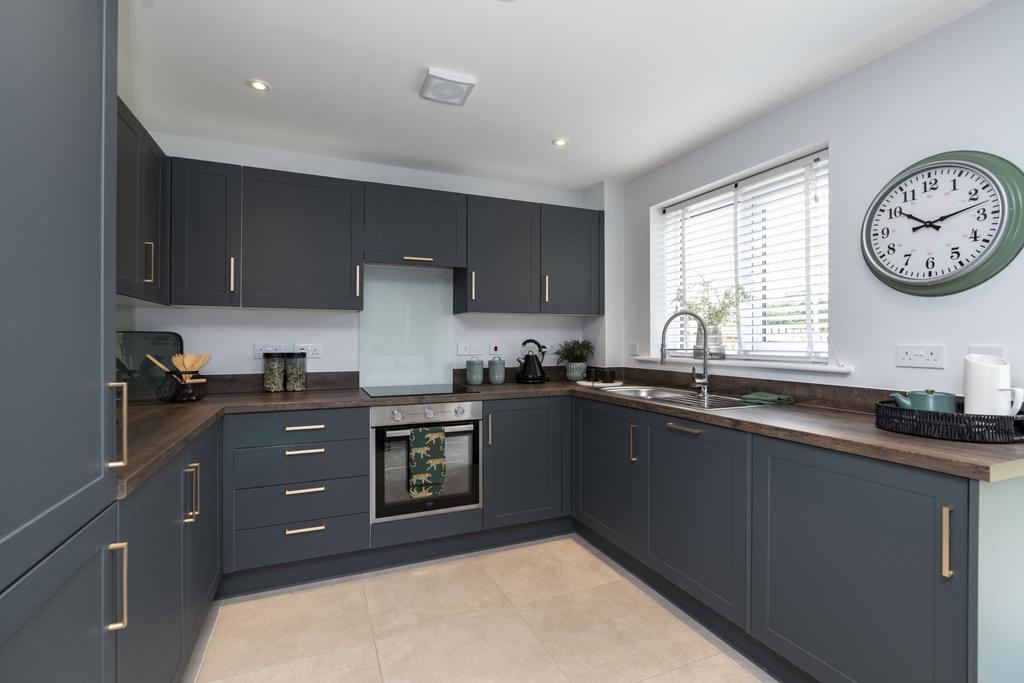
[503, 271]
[572, 264]
[303, 245]
[202, 536]
[415, 227]
[57, 206]
[849, 577]
[206, 233]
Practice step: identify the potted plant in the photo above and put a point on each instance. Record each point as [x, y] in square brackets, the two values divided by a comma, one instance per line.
[574, 353]
[716, 307]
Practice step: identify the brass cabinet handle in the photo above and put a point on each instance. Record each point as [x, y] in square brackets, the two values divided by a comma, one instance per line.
[358, 268]
[196, 489]
[472, 285]
[299, 492]
[190, 517]
[123, 386]
[305, 530]
[547, 289]
[632, 443]
[304, 428]
[123, 623]
[306, 451]
[152, 262]
[424, 259]
[683, 428]
[490, 429]
[947, 511]
[231, 275]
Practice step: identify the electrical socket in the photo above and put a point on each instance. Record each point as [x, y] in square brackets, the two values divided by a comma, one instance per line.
[494, 349]
[921, 356]
[463, 349]
[312, 350]
[634, 348]
[259, 349]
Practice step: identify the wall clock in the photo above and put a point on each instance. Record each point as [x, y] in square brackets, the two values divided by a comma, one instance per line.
[945, 224]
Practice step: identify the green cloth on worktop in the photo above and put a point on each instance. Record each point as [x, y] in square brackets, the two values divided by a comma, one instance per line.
[427, 466]
[766, 398]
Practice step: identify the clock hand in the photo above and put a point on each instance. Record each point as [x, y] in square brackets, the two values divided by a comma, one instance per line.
[923, 223]
[950, 215]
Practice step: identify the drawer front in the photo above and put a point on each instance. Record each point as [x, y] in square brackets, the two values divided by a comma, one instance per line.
[313, 538]
[301, 426]
[271, 505]
[274, 465]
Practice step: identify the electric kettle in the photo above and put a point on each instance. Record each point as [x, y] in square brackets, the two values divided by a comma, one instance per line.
[531, 368]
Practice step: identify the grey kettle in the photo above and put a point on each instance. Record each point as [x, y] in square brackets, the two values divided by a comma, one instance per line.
[531, 368]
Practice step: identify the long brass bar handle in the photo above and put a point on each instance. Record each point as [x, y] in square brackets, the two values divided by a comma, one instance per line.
[490, 429]
[358, 286]
[547, 289]
[231, 275]
[123, 386]
[123, 623]
[152, 262]
[300, 492]
[632, 443]
[683, 428]
[424, 259]
[305, 530]
[472, 285]
[306, 451]
[190, 517]
[196, 489]
[304, 428]
[947, 512]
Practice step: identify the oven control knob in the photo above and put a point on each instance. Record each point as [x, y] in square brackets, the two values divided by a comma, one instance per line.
[396, 415]
[428, 413]
[460, 411]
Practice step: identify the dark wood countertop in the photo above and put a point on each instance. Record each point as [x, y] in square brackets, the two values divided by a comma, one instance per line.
[158, 432]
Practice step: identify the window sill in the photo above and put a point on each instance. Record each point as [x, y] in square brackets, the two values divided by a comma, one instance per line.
[817, 368]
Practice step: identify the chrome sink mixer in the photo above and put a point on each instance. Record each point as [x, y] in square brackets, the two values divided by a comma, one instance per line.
[701, 382]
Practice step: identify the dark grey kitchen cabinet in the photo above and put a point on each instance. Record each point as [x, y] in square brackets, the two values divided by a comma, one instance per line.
[201, 542]
[699, 526]
[415, 226]
[57, 199]
[848, 576]
[143, 226]
[206, 233]
[503, 270]
[53, 620]
[303, 245]
[522, 461]
[571, 258]
[611, 463]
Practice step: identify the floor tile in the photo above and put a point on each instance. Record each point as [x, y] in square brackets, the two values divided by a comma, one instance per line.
[716, 669]
[498, 646]
[430, 595]
[352, 665]
[613, 632]
[260, 633]
[544, 570]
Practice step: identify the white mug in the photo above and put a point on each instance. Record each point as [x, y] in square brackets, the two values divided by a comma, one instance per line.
[987, 389]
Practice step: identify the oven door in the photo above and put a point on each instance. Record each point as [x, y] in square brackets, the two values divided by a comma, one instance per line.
[461, 490]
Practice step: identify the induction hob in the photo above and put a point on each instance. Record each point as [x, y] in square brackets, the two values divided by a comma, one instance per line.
[418, 390]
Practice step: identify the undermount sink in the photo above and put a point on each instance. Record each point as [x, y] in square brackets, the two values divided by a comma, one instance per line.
[678, 397]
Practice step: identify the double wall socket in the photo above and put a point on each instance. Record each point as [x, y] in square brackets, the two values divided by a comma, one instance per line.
[467, 349]
[921, 356]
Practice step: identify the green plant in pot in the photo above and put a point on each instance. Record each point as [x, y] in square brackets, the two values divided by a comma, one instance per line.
[716, 307]
[574, 353]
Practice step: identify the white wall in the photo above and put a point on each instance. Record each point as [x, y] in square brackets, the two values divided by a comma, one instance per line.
[229, 334]
[956, 88]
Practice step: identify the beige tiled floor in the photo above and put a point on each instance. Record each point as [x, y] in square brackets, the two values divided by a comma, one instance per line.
[555, 610]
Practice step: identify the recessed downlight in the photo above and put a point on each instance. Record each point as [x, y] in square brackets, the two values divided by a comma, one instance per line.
[258, 84]
[560, 142]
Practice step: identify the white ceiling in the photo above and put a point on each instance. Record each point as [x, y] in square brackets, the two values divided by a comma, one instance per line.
[632, 83]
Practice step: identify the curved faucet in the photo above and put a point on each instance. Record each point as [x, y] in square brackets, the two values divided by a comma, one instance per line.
[698, 382]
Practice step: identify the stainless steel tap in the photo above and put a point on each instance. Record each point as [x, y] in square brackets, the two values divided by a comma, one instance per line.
[701, 382]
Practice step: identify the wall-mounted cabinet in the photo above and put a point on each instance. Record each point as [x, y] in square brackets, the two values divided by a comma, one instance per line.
[571, 260]
[413, 226]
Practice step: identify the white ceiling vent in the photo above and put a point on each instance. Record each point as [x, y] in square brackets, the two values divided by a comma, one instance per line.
[446, 86]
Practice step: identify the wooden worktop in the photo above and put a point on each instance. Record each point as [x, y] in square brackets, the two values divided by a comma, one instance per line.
[157, 432]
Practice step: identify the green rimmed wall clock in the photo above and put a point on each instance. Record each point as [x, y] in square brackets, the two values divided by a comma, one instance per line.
[945, 224]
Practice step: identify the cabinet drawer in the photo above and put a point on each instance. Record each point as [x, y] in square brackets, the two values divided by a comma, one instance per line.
[301, 426]
[306, 500]
[273, 465]
[312, 538]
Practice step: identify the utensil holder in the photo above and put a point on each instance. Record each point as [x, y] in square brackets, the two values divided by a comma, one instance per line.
[175, 389]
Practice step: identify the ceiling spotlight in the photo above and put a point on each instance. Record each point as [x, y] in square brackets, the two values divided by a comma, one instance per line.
[560, 142]
[447, 87]
[258, 85]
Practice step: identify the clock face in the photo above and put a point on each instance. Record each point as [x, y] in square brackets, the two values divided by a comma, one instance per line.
[935, 223]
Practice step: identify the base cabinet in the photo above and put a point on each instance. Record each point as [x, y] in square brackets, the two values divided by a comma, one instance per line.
[201, 542]
[848, 579]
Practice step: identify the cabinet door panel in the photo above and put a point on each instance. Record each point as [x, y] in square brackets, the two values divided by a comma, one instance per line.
[303, 240]
[206, 233]
[503, 272]
[155, 224]
[202, 540]
[522, 461]
[846, 566]
[404, 223]
[57, 206]
[571, 260]
[700, 512]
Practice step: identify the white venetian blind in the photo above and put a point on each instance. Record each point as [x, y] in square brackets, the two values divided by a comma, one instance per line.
[765, 237]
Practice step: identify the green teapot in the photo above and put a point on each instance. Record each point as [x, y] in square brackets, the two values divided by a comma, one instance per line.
[935, 401]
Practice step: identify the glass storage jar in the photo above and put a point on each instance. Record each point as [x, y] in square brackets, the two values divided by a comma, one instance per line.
[295, 371]
[273, 372]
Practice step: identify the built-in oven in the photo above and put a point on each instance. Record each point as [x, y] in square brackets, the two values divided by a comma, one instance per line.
[395, 495]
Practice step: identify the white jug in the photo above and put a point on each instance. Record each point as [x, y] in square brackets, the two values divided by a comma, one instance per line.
[987, 389]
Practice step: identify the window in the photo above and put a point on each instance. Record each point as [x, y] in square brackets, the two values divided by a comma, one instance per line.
[752, 258]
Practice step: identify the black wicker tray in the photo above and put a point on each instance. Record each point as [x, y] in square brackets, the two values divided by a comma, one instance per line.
[950, 426]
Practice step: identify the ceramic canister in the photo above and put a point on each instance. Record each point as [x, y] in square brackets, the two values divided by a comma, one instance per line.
[987, 389]
[474, 371]
[496, 370]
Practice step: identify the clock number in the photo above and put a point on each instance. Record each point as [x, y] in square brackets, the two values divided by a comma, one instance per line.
[930, 185]
[972, 194]
[929, 262]
[974, 235]
[891, 248]
[954, 253]
[885, 233]
[896, 212]
[954, 185]
[906, 259]
[982, 213]
[909, 196]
